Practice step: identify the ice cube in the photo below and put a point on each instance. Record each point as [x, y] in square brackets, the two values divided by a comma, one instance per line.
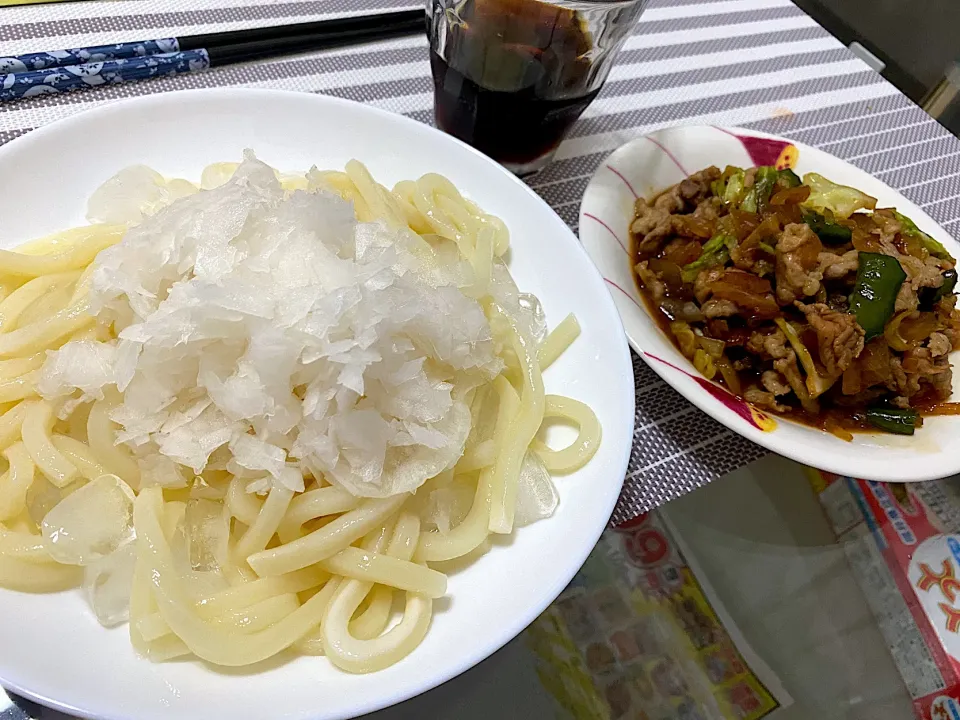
[128, 196]
[42, 496]
[199, 584]
[107, 583]
[445, 507]
[536, 495]
[212, 485]
[178, 188]
[217, 174]
[196, 584]
[90, 523]
[160, 471]
[533, 316]
[207, 531]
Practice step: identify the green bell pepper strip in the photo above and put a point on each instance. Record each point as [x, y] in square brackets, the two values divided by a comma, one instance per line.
[787, 178]
[828, 231]
[949, 284]
[893, 420]
[932, 246]
[874, 295]
[931, 296]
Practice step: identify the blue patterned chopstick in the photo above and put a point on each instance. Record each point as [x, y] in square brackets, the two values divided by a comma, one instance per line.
[16, 85]
[321, 31]
[23, 76]
[81, 56]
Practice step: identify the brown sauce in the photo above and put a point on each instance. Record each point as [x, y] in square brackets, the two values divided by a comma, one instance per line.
[831, 419]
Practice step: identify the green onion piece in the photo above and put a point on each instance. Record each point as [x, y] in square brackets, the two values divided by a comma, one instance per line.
[713, 244]
[816, 383]
[707, 260]
[767, 248]
[734, 190]
[763, 187]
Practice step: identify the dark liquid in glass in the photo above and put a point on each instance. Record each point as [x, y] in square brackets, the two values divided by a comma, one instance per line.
[511, 77]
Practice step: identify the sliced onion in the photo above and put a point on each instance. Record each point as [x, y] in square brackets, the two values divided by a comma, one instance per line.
[892, 332]
[712, 346]
[917, 329]
[680, 310]
[791, 196]
[729, 374]
[834, 428]
[668, 272]
[685, 338]
[704, 364]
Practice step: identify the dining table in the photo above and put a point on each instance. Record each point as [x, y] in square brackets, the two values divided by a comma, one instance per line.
[759, 564]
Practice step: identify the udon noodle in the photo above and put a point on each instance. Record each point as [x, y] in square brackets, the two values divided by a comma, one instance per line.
[234, 572]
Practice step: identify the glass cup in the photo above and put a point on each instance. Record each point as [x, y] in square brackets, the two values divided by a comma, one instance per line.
[511, 76]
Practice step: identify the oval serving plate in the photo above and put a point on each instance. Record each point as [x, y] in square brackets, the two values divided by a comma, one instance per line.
[51, 647]
[647, 165]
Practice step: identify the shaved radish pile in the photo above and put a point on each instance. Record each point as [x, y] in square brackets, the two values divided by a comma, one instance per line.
[274, 325]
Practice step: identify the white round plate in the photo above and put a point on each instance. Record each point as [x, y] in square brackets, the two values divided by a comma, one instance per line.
[51, 647]
[649, 164]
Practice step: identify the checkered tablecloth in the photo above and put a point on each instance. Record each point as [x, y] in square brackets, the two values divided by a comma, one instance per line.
[755, 63]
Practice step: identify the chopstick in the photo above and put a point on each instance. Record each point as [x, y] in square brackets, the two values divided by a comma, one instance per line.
[52, 72]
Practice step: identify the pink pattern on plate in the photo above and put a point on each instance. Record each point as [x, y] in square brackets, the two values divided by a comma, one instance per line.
[629, 296]
[668, 154]
[762, 151]
[759, 420]
[609, 230]
[626, 182]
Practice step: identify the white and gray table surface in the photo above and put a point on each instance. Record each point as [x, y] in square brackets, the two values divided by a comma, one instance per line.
[760, 64]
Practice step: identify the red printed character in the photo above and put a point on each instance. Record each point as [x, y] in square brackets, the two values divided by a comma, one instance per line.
[945, 580]
[646, 547]
[630, 526]
[743, 699]
[953, 617]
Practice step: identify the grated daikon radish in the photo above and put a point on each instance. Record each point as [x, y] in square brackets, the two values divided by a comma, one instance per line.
[273, 324]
